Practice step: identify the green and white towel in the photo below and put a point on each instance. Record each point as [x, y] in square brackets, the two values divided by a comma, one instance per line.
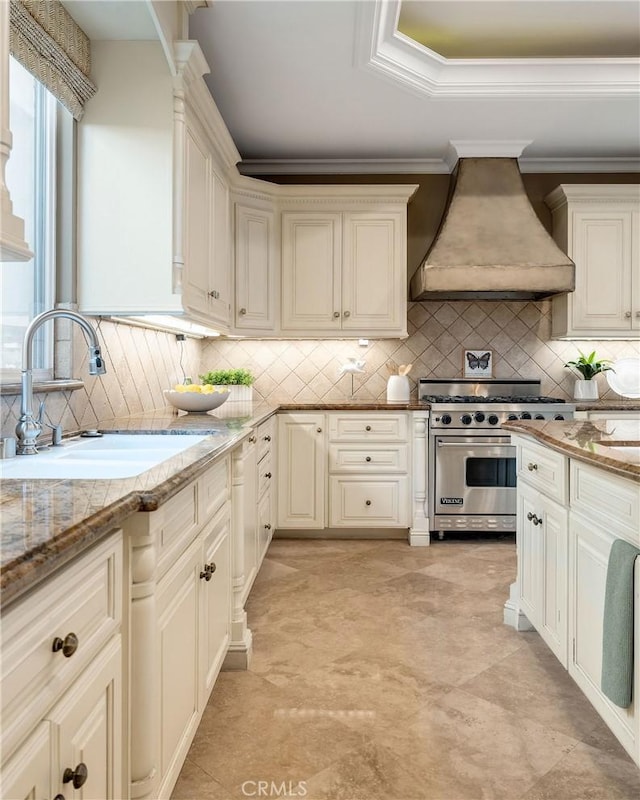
[617, 635]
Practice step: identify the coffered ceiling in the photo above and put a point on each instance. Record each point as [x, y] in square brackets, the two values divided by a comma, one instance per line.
[385, 86]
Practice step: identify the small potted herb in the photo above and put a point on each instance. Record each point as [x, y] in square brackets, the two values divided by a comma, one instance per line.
[585, 388]
[240, 381]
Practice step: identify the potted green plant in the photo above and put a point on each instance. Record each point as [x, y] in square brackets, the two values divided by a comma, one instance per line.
[585, 388]
[240, 381]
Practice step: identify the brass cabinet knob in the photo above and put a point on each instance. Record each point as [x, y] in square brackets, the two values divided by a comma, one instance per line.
[243, 311]
[267, 526]
[319, 430]
[251, 439]
[267, 438]
[77, 776]
[267, 474]
[68, 645]
[532, 467]
[627, 315]
[208, 571]
[215, 294]
[529, 516]
[367, 502]
[336, 314]
[368, 428]
[347, 313]
[368, 458]
[59, 797]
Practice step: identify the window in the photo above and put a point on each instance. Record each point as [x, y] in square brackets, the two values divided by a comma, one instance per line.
[28, 287]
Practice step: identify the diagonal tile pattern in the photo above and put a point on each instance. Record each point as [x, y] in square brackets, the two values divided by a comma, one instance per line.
[384, 672]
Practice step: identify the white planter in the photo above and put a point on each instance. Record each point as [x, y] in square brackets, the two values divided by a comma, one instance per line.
[585, 390]
[239, 394]
[398, 389]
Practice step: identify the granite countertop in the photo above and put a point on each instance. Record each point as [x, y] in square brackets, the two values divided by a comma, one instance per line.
[45, 523]
[600, 442]
[619, 404]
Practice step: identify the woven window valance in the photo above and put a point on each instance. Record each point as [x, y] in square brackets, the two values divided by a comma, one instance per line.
[45, 39]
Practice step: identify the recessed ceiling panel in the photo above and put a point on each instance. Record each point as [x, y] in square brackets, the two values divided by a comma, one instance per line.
[524, 28]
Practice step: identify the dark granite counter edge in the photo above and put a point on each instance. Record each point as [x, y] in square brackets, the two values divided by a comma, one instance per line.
[615, 467]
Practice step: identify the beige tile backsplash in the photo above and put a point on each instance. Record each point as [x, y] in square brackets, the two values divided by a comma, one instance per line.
[141, 363]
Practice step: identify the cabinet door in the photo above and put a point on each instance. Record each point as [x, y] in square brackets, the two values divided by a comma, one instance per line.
[255, 265]
[311, 279]
[301, 471]
[215, 592]
[374, 272]
[27, 776]
[197, 221]
[552, 616]
[589, 546]
[218, 258]
[87, 724]
[529, 558]
[178, 634]
[601, 249]
[265, 524]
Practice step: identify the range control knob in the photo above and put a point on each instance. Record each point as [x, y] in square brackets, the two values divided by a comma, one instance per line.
[559, 416]
[465, 419]
[445, 419]
[512, 416]
[479, 416]
[493, 419]
[539, 416]
[525, 415]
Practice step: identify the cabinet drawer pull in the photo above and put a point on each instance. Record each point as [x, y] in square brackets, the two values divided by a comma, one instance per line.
[627, 315]
[534, 518]
[77, 776]
[531, 466]
[529, 516]
[368, 428]
[368, 458]
[208, 571]
[319, 430]
[243, 311]
[367, 502]
[267, 438]
[68, 645]
[267, 527]
[267, 474]
[336, 314]
[347, 313]
[251, 439]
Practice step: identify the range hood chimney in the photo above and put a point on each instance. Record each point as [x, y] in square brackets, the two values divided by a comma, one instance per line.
[491, 244]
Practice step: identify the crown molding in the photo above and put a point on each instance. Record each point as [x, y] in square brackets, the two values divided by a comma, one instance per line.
[427, 166]
[382, 49]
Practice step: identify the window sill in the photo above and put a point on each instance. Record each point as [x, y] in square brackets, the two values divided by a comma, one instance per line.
[65, 385]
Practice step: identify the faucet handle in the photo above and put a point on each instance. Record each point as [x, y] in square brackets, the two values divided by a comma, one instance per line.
[40, 416]
[56, 434]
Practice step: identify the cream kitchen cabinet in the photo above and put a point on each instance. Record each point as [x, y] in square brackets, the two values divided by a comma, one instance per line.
[368, 470]
[266, 474]
[598, 226]
[344, 261]
[154, 238]
[250, 521]
[301, 470]
[61, 681]
[256, 261]
[180, 622]
[569, 515]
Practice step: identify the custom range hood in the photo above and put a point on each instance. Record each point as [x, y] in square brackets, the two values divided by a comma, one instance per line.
[490, 244]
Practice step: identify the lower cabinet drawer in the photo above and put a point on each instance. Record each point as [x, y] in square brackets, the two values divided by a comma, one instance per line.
[361, 501]
[544, 469]
[265, 475]
[368, 458]
[49, 637]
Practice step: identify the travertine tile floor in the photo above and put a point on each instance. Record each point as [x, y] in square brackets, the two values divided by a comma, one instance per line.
[384, 672]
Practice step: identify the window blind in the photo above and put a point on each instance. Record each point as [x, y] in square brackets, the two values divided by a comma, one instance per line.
[46, 40]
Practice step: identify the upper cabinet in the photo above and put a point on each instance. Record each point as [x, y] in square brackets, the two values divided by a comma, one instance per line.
[153, 195]
[598, 226]
[344, 263]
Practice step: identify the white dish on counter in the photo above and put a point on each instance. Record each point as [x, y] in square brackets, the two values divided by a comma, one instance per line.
[624, 377]
[111, 456]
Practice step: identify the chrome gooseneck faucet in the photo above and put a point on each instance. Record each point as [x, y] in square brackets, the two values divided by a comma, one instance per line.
[28, 428]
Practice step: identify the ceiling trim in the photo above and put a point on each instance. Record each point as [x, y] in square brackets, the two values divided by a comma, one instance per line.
[380, 48]
[420, 166]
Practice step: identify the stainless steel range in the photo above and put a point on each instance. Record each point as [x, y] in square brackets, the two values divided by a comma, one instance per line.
[472, 465]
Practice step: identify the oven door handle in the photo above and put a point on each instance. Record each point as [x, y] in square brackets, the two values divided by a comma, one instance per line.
[473, 445]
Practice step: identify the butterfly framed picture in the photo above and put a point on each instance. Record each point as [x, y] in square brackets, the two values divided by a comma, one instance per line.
[478, 363]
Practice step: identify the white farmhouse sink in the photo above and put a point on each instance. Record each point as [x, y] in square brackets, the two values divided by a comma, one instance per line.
[111, 456]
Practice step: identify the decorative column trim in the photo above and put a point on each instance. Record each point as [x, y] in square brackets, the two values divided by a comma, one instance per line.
[419, 532]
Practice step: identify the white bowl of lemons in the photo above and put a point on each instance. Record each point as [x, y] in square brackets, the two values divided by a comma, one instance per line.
[197, 398]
